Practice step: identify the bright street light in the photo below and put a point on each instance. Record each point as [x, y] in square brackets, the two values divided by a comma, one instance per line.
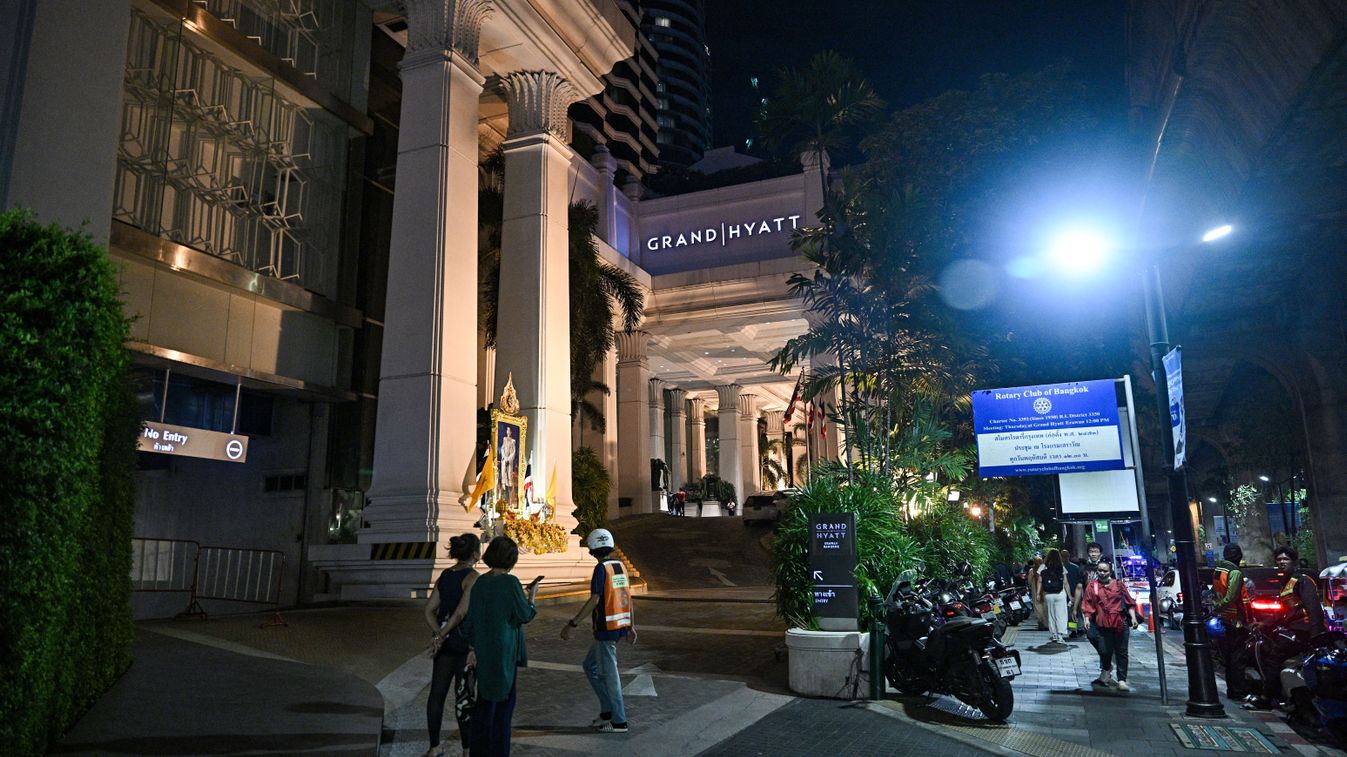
[1211, 499]
[1217, 233]
[1079, 251]
[1264, 478]
[975, 511]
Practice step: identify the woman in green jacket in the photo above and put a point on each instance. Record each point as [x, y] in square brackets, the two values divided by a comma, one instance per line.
[494, 612]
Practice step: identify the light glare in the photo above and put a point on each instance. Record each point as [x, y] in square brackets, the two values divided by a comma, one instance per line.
[1079, 251]
[1217, 233]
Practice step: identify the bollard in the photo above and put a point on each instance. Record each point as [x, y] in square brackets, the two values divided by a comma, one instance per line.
[876, 647]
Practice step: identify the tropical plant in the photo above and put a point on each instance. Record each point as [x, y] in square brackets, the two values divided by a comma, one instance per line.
[883, 546]
[590, 484]
[948, 538]
[770, 455]
[1241, 502]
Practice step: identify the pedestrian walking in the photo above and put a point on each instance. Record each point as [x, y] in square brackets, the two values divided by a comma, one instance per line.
[1075, 590]
[611, 614]
[682, 500]
[1231, 607]
[1053, 594]
[449, 648]
[1094, 552]
[493, 617]
[1107, 606]
[1035, 579]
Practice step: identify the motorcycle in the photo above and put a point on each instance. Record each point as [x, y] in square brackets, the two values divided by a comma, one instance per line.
[1323, 673]
[932, 645]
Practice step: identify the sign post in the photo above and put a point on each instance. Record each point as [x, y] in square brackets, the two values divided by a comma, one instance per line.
[832, 570]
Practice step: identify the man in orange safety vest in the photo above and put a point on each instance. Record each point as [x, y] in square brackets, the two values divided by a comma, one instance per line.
[611, 611]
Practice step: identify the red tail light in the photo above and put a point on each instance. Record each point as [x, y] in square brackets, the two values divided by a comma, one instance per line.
[1180, 597]
[1266, 605]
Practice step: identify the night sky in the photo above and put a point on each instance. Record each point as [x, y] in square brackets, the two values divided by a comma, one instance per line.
[909, 50]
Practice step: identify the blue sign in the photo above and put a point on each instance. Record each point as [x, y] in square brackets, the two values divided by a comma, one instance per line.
[1050, 428]
[1177, 419]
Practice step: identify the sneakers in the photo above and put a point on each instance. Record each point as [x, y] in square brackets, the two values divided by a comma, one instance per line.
[601, 720]
[1105, 679]
[1122, 685]
[610, 727]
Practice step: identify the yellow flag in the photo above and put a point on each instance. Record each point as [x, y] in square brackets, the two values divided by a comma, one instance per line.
[486, 479]
[551, 496]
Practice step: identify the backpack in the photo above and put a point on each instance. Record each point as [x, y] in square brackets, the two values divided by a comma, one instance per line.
[1052, 582]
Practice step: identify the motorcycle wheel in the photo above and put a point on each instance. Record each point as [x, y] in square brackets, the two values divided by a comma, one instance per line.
[900, 681]
[1000, 701]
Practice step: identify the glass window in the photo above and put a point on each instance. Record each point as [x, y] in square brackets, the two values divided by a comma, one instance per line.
[662, 21]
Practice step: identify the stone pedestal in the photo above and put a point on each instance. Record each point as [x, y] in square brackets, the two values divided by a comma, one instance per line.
[426, 428]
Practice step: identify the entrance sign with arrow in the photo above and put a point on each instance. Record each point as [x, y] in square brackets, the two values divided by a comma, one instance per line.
[832, 565]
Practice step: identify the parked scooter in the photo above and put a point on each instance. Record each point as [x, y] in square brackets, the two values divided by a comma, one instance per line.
[1323, 672]
[933, 646]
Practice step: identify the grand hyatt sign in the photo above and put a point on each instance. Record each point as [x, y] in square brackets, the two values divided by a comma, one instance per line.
[724, 234]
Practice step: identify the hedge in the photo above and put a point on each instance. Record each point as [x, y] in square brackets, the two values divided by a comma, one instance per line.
[67, 441]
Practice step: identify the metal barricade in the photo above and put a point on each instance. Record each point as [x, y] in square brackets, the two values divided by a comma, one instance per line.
[163, 564]
[238, 575]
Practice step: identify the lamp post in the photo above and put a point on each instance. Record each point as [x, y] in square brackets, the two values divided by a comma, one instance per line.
[1203, 700]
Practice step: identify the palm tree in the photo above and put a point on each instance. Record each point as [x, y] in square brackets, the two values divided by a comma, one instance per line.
[598, 291]
[818, 109]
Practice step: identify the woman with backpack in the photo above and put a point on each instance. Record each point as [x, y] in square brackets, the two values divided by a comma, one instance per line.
[1106, 607]
[1053, 594]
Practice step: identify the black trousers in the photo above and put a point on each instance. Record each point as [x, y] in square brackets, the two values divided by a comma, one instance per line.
[1112, 648]
[451, 669]
[1231, 649]
[491, 725]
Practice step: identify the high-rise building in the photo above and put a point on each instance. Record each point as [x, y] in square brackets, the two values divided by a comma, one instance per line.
[677, 29]
[622, 116]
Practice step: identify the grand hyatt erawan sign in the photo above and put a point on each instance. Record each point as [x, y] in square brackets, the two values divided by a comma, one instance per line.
[724, 234]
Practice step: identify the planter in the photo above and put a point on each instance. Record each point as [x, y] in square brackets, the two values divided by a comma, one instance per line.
[833, 664]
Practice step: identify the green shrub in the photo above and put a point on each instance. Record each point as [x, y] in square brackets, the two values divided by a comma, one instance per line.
[883, 546]
[67, 440]
[590, 485]
[948, 537]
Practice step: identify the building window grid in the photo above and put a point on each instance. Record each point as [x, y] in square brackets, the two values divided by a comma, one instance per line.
[217, 159]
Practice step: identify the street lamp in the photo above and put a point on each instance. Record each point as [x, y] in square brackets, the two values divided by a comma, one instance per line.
[1203, 699]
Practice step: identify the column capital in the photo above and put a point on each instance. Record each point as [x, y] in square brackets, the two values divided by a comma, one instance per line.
[775, 418]
[748, 405]
[538, 101]
[676, 398]
[729, 397]
[632, 346]
[438, 26]
[656, 392]
[603, 161]
[697, 410]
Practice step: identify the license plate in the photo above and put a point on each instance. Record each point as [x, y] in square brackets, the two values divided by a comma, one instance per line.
[1015, 604]
[1007, 667]
[988, 615]
[1025, 598]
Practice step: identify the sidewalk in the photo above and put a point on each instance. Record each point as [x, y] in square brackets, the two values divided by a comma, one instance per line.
[180, 697]
[1058, 712]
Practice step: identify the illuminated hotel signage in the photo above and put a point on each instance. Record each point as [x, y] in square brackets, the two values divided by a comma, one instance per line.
[192, 442]
[724, 234]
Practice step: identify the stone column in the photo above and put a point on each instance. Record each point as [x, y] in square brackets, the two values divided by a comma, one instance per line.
[678, 438]
[426, 428]
[776, 431]
[609, 454]
[656, 437]
[604, 162]
[633, 421]
[730, 454]
[749, 468]
[533, 335]
[697, 439]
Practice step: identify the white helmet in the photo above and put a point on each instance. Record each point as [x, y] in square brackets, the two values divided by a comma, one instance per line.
[599, 538]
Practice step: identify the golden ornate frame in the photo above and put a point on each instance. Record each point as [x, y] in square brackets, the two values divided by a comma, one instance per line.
[507, 415]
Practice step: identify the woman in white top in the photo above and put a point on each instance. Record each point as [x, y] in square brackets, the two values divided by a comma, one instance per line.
[1053, 588]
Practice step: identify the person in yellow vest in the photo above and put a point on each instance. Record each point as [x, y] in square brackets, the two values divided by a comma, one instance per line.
[1232, 608]
[611, 612]
[1304, 614]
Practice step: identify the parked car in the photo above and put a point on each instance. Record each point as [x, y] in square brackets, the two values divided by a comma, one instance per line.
[765, 507]
[1170, 593]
